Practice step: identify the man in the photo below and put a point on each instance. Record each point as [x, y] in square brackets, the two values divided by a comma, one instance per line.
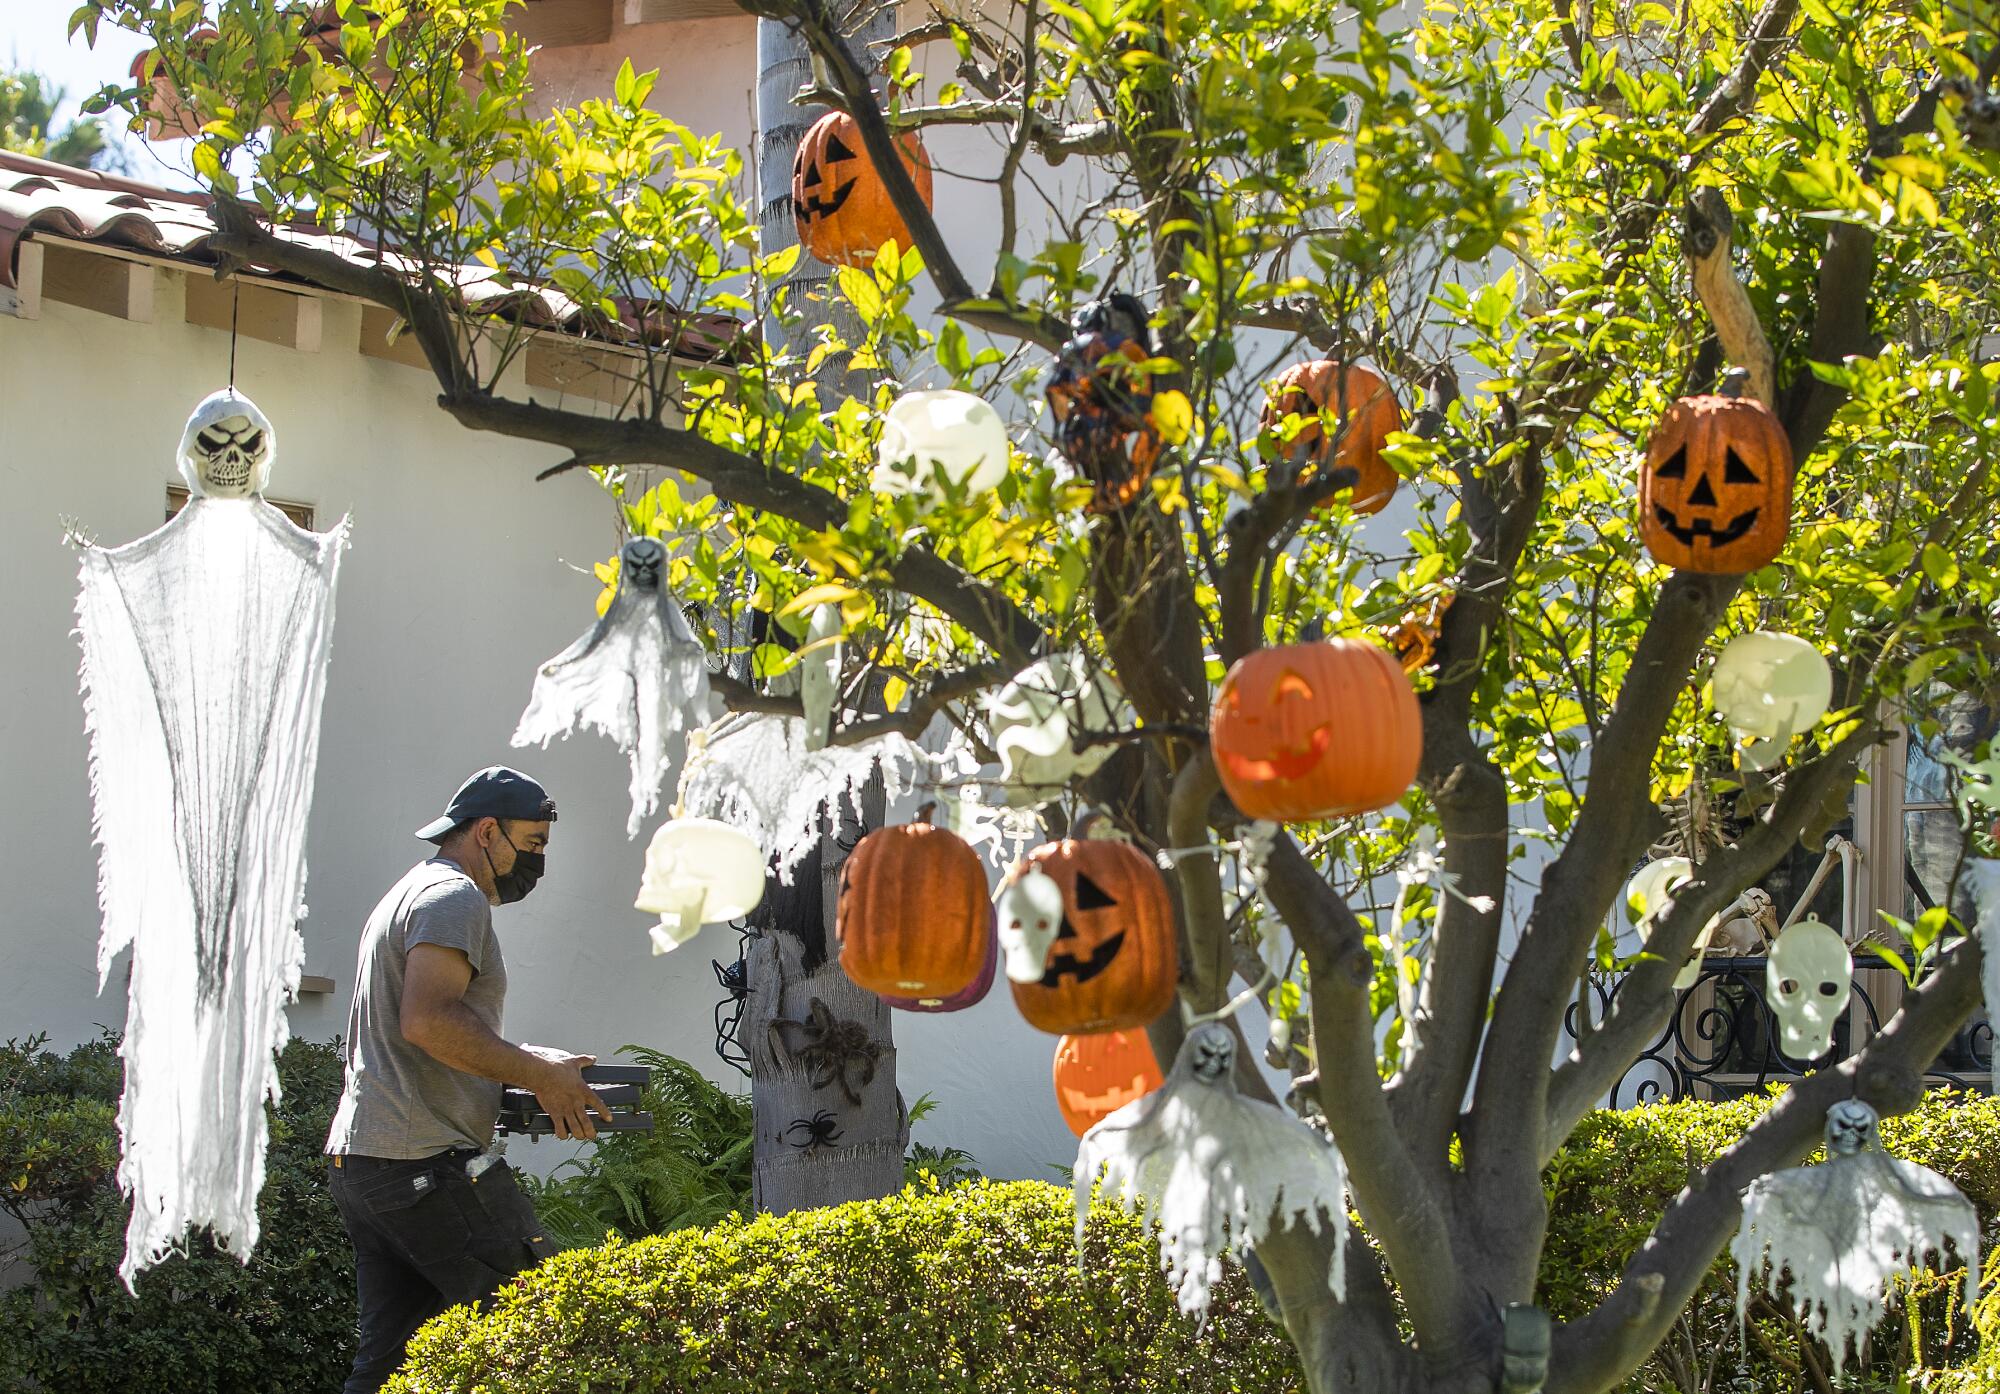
[435, 1220]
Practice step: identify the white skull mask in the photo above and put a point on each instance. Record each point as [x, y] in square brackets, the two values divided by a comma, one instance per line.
[1030, 912]
[227, 447]
[1807, 982]
[1851, 1128]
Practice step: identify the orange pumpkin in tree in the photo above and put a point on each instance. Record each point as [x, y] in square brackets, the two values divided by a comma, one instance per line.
[1115, 959]
[1715, 491]
[1364, 411]
[839, 202]
[1304, 731]
[970, 996]
[1098, 1074]
[913, 918]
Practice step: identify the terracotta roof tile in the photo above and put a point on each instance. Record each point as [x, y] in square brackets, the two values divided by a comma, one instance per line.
[41, 196]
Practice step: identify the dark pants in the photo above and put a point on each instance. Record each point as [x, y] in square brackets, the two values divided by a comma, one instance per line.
[426, 1237]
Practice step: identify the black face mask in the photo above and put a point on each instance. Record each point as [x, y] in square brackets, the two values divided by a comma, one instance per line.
[528, 868]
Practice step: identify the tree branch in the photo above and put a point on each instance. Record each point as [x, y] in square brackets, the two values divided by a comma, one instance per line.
[1761, 45]
[1053, 141]
[1591, 1354]
[1705, 242]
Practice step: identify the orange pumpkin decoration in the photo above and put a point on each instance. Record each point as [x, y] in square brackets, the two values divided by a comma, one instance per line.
[840, 204]
[1098, 1074]
[1273, 725]
[1115, 960]
[1715, 492]
[1364, 412]
[913, 918]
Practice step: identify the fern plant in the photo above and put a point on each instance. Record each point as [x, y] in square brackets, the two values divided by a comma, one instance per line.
[692, 1170]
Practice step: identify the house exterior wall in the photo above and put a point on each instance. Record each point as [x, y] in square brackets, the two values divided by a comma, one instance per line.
[458, 583]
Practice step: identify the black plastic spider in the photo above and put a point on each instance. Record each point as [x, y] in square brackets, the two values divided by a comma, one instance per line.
[820, 1130]
[735, 983]
[829, 1051]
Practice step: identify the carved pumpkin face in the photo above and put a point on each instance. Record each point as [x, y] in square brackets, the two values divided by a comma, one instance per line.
[1101, 405]
[1715, 492]
[1363, 411]
[842, 207]
[1115, 960]
[913, 917]
[1098, 1074]
[1274, 725]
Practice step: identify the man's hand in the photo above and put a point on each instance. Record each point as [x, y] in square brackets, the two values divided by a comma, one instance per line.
[564, 1096]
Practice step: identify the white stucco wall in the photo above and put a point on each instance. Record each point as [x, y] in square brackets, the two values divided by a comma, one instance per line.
[458, 584]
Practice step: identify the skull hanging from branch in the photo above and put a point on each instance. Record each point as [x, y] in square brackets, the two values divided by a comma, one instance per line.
[1217, 1170]
[1845, 1227]
[1771, 687]
[227, 447]
[698, 871]
[637, 676]
[1028, 911]
[1807, 981]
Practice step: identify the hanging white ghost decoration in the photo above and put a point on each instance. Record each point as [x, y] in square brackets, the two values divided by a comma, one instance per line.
[638, 676]
[934, 436]
[755, 771]
[1218, 1171]
[698, 871]
[819, 675]
[1771, 687]
[1807, 982]
[1028, 911]
[1036, 718]
[205, 647]
[1845, 1227]
[1650, 894]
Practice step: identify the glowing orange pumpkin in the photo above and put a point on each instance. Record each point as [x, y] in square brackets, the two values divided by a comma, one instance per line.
[1096, 1075]
[1274, 725]
[839, 202]
[1364, 412]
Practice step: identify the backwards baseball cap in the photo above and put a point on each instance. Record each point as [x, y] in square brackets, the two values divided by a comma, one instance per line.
[495, 792]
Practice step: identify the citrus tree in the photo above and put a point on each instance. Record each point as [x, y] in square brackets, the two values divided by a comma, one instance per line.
[1542, 221]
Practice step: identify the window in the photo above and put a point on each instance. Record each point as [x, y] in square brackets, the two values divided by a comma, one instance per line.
[300, 513]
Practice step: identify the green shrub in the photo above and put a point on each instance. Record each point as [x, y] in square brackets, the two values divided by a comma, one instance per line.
[283, 1324]
[971, 1287]
[1619, 1170]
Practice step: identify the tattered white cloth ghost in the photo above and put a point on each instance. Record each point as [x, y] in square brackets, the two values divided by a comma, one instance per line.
[1847, 1226]
[636, 676]
[1218, 1171]
[1771, 687]
[205, 650]
[1036, 718]
[758, 772]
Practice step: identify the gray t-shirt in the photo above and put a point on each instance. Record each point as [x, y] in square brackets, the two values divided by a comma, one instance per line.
[400, 1101]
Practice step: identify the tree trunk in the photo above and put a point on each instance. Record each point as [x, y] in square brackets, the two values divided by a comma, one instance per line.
[828, 1127]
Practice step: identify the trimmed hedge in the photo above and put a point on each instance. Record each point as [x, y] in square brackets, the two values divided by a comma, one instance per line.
[971, 1287]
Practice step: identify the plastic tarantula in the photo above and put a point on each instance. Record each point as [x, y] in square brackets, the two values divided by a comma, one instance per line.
[820, 1131]
[829, 1051]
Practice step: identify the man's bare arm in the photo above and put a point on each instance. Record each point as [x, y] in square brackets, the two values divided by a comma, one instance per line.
[436, 1020]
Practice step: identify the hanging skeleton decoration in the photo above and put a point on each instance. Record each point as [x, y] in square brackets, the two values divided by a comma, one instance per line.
[205, 647]
[1847, 1226]
[1807, 981]
[1217, 1170]
[636, 676]
[759, 773]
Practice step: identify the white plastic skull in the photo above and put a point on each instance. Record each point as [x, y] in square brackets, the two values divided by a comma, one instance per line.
[227, 447]
[1771, 687]
[698, 871]
[1648, 897]
[1034, 721]
[1851, 1127]
[929, 437]
[1807, 981]
[1030, 911]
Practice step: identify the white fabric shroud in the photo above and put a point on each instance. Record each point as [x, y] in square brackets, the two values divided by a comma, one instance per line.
[639, 675]
[205, 649]
[1220, 1171]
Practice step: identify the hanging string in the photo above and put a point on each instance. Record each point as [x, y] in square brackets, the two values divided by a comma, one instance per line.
[235, 306]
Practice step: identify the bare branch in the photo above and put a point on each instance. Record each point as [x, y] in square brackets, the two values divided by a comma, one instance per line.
[1761, 47]
[1705, 243]
[1053, 141]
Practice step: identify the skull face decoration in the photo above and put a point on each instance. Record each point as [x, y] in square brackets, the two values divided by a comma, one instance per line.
[1807, 981]
[1649, 895]
[1851, 1127]
[698, 871]
[1030, 911]
[1771, 687]
[227, 447]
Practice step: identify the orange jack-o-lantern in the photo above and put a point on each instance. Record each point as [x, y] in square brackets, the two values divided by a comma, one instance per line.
[1316, 731]
[1363, 412]
[913, 917]
[1715, 492]
[1115, 960]
[842, 206]
[1098, 1074]
[1102, 405]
